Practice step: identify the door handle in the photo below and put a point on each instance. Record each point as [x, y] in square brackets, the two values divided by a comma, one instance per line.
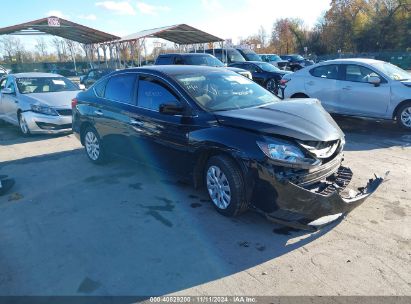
[98, 112]
[136, 122]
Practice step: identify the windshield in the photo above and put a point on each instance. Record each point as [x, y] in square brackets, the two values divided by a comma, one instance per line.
[251, 55]
[392, 71]
[267, 67]
[233, 55]
[203, 60]
[45, 85]
[215, 91]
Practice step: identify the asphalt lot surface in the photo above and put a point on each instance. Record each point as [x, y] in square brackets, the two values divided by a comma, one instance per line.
[73, 228]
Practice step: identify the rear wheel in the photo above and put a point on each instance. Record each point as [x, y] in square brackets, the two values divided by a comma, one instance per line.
[93, 146]
[404, 116]
[24, 128]
[225, 186]
[272, 85]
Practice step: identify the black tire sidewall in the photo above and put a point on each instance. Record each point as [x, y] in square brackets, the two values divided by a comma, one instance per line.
[235, 181]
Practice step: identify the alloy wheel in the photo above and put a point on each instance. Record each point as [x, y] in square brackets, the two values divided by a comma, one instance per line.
[23, 125]
[218, 187]
[406, 117]
[92, 145]
[272, 86]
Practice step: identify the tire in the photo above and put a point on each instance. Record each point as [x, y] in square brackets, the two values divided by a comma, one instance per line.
[24, 128]
[93, 146]
[272, 86]
[225, 186]
[403, 116]
[299, 95]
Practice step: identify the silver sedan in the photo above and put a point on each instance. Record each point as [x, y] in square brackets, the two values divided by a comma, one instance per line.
[37, 102]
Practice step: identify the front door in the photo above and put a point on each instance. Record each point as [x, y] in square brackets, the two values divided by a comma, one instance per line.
[10, 102]
[159, 139]
[359, 97]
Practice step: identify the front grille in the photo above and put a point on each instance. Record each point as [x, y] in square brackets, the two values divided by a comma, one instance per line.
[64, 112]
[50, 126]
[338, 182]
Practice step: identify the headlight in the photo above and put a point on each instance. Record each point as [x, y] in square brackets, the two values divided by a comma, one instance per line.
[287, 154]
[43, 110]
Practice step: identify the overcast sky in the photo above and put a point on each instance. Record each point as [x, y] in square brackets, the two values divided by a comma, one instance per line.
[223, 18]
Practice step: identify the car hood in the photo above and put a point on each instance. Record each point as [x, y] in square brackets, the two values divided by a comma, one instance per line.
[406, 82]
[54, 99]
[303, 119]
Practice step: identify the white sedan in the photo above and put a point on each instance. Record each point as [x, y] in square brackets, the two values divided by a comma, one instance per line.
[37, 102]
[355, 87]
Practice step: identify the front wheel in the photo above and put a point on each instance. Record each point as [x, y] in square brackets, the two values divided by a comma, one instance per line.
[225, 186]
[93, 146]
[24, 128]
[404, 116]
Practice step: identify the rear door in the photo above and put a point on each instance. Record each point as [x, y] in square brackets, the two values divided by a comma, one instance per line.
[112, 115]
[161, 140]
[322, 83]
[358, 96]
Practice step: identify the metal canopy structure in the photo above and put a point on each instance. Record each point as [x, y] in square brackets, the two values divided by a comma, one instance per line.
[181, 34]
[59, 27]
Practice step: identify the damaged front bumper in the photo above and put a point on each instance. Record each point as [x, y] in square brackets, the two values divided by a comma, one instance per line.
[310, 207]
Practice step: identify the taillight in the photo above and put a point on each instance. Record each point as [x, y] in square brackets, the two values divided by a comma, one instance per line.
[73, 103]
[284, 81]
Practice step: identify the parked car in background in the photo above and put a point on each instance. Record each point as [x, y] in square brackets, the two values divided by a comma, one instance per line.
[296, 62]
[275, 60]
[264, 74]
[226, 133]
[37, 102]
[197, 59]
[63, 72]
[226, 55]
[93, 75]
[249, 55]
[355, 87]
[3, 71]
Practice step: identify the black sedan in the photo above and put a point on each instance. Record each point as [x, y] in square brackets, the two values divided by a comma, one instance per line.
[222, 131]
[296, 62]
[263, 73]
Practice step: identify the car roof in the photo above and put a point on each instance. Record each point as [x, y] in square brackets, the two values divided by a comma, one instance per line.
[185, 54]
[251, 61]
[35, 74]
[172, 70]
[354, 60]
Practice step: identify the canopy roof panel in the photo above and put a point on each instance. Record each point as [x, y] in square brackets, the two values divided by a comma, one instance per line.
[180, 34]
[59, 27]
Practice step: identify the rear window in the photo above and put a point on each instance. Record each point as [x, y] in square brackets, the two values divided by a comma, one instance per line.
[120, 88]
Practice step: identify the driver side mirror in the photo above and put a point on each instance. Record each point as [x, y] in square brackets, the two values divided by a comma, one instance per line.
[375, 80]
[7, 91]
[171, 109]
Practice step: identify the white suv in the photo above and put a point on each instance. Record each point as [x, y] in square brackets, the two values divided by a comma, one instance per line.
[355, 87]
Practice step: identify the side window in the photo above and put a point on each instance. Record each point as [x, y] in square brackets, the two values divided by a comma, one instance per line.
[164, 60]
[100, 87]
[329, 71]
[250, 67]
[358, 73]
[152, 93]
[178, 60]
[120, 88]
[10, 84]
